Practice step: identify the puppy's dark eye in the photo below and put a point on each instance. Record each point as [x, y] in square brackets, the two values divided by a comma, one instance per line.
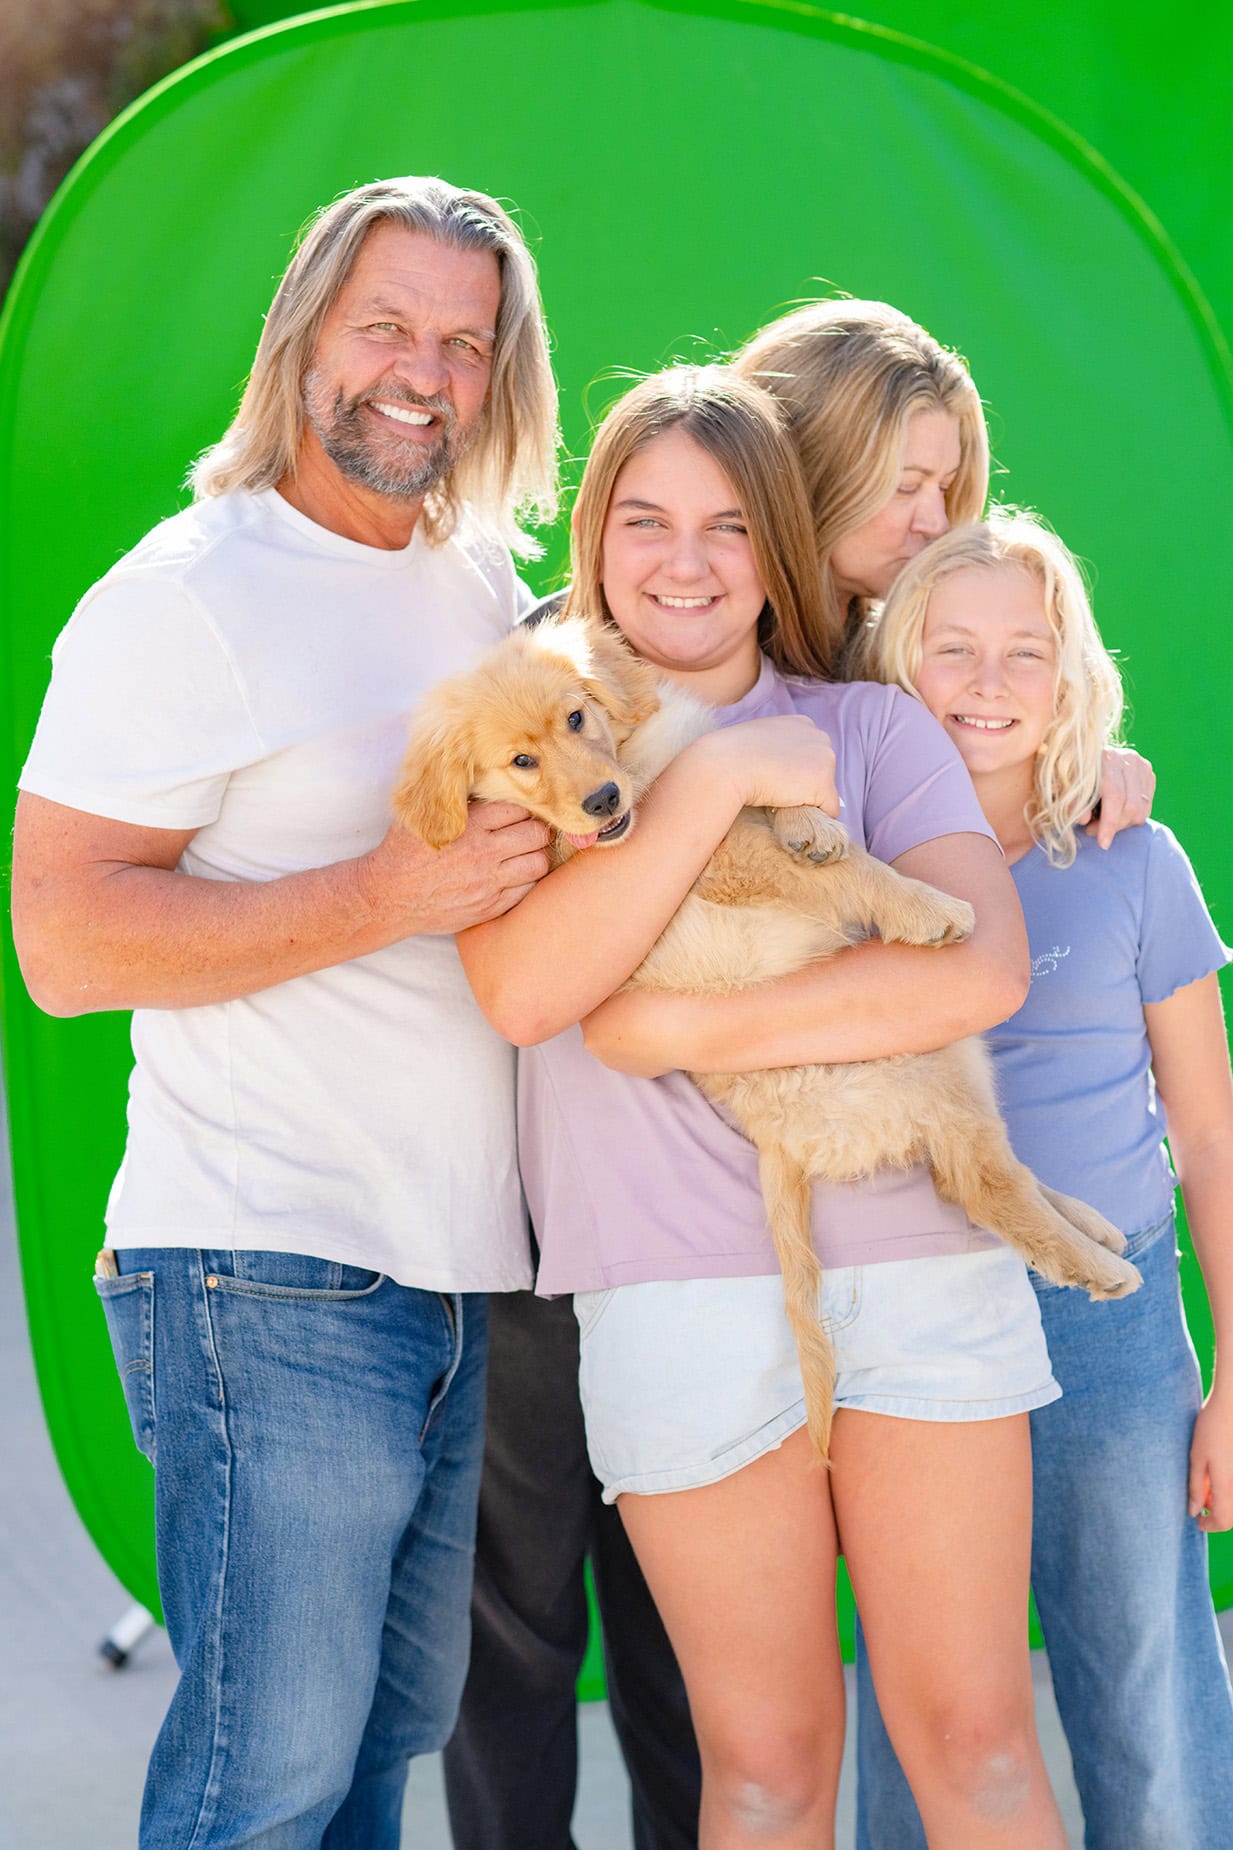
[575, 720]
[525, 762]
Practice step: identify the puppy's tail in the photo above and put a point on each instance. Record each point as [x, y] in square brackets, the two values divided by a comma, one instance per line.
[785, 1192]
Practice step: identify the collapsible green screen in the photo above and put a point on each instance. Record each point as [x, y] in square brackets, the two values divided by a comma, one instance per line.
[685, 171]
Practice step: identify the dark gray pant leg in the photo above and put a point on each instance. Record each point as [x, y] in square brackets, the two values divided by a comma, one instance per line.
[511, 1767]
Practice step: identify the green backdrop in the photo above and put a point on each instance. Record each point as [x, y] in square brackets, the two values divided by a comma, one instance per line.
[1148, 90]
[685, 170]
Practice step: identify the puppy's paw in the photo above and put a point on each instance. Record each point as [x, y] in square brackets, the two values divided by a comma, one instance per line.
[1112, 1277]
[958, 923]
[925, 916]
[1083, 1265]
[810, 835]
[1086, 1219]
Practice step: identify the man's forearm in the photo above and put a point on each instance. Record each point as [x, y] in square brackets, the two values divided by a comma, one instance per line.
[159, 939]
[104, 919]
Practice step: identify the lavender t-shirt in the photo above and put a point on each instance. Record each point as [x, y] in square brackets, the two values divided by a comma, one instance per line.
[1115, 930]
[635, 1179]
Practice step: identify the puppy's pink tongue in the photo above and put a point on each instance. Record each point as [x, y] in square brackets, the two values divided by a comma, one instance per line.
[580, 841]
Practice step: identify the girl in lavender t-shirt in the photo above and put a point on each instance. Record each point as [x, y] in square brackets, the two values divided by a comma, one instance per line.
[693, 534]
[991, 628]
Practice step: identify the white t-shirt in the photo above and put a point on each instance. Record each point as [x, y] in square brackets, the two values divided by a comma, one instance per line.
[247, 674]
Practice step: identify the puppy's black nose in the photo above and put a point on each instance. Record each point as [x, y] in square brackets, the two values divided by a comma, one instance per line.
[602, 802]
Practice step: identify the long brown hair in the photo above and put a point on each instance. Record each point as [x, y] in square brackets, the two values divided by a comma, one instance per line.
[740, 427]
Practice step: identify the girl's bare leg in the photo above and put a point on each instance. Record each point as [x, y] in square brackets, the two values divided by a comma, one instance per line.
[936, 1523]
[743, 1573]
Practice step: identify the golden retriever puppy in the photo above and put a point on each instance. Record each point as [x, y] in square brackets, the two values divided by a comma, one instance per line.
[564, 720]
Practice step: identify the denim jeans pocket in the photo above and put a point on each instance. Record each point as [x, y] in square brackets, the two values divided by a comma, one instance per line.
[1139, 1243]
[298, 1276]
[128, 1305]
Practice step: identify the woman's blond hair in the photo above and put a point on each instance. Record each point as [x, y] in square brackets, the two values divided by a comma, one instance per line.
[849, 375]
[1087, 699]
[740, 428]
[509, 473]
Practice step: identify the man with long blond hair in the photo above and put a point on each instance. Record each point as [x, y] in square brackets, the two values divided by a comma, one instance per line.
[320, 1181]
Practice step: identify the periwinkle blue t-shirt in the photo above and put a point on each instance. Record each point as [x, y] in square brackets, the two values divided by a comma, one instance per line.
[1117, 929]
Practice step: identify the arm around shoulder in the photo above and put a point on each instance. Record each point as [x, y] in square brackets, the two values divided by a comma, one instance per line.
[1127, 787]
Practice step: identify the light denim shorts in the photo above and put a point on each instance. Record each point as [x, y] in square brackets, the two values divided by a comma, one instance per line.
[686, 1381]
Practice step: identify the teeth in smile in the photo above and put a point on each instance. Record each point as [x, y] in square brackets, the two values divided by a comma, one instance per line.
[683, 603]
[401, 413]
[985, 725]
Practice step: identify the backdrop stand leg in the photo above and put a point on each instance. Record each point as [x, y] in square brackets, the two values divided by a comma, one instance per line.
[124, 1637]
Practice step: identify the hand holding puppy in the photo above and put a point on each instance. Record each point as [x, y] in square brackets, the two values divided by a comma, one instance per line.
[494, 863]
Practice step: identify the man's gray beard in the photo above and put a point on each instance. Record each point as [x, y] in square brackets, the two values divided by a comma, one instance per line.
[356, 451]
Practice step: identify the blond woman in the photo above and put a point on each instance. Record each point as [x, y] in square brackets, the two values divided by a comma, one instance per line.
[890, 432]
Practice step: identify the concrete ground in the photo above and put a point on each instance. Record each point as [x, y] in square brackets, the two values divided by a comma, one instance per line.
[74, 1734]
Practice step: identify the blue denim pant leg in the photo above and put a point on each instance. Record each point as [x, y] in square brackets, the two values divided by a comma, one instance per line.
[316, 1432]
[424, 1664]
[1119, 1569]
[1120, 1576]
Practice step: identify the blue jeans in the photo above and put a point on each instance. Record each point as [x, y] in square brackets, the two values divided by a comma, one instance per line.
[1119, 1571]
[316, 1432]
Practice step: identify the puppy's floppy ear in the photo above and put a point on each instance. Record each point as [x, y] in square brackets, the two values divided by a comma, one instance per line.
[430, 797]
[625, 687]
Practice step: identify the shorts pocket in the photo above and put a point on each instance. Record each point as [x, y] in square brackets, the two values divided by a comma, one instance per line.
[128, 1305]
[841, 1298]
[589, 1307]
[298, 1276]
